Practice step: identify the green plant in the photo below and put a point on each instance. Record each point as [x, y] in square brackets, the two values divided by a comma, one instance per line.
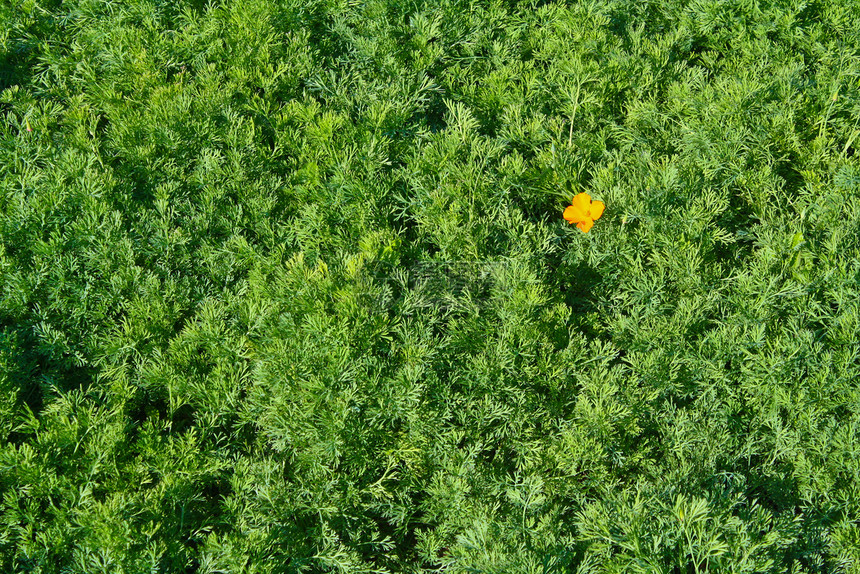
[286, 287]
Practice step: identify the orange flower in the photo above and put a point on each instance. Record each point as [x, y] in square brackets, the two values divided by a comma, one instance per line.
[583, 212]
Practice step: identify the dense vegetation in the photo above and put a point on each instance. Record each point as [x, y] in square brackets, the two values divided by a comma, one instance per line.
[285, 286]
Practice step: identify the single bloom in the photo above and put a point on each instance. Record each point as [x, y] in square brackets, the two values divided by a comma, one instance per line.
[583, 212]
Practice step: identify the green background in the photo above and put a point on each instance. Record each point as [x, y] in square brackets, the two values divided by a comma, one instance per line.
[285, 286]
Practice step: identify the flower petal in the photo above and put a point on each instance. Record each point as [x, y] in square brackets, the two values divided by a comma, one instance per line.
[578, 210]
[581, 201]
[597, 209]
[574, 215]
[585, 225]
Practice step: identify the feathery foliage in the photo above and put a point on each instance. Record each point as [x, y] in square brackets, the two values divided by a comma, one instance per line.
[285, 286]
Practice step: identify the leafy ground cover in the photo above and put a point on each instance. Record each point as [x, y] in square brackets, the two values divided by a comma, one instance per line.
[286, 287]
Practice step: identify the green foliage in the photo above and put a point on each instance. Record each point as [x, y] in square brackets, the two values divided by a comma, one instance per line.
[285, 287]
